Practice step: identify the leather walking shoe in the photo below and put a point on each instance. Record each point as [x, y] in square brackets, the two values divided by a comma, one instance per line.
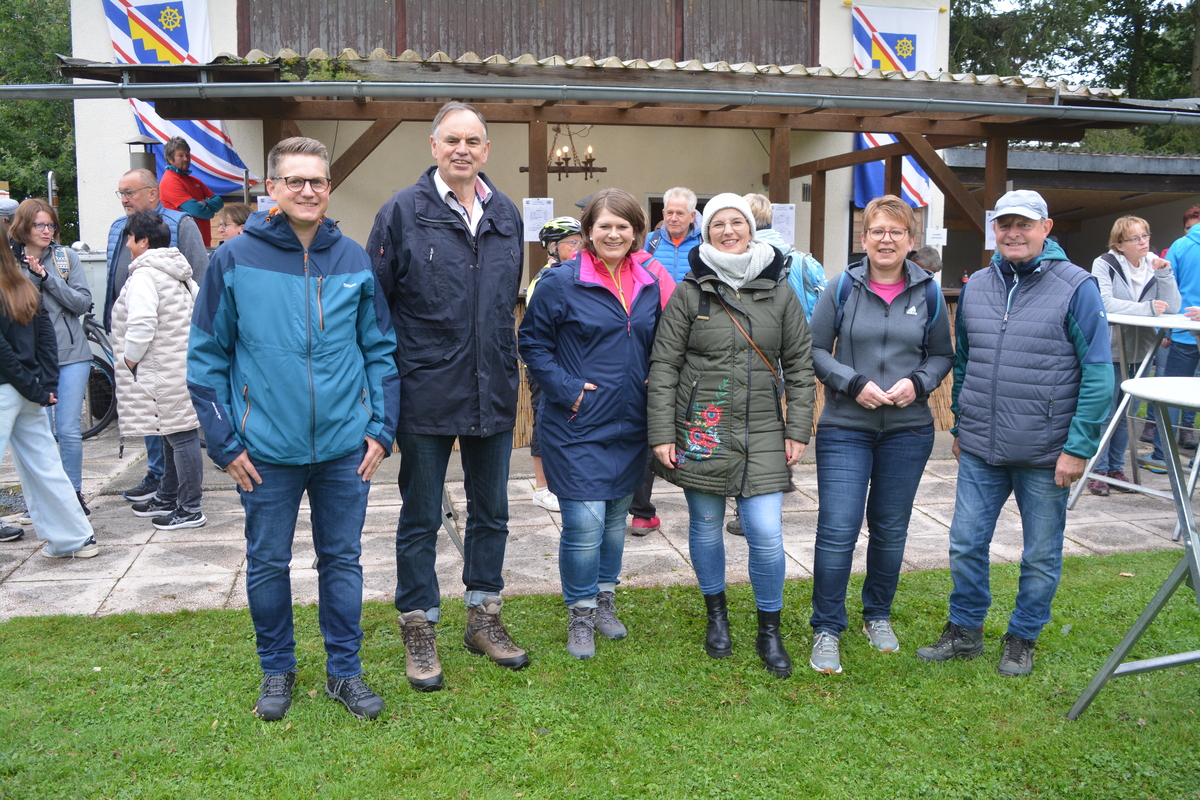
[716, 633]
[421, 664]
[607, 623]
[355, 695]
[581, 631]
[486, 635]
[955, 642]
[1017, 658]
[769, 645]
[275, 696]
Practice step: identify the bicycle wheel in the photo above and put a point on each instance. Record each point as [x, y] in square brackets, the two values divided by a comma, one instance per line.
[99, 400]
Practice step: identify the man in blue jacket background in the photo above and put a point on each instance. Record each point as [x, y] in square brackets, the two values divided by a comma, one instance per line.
[447, 255]
[292, 372]
[1033, 383]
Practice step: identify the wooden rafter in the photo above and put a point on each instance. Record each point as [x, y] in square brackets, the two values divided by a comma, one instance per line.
[363, 146]
[941, 174]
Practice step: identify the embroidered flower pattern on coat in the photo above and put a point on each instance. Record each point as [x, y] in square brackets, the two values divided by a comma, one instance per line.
[704, 432]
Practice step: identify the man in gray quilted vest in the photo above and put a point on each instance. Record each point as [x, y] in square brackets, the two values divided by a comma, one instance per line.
[1032, 386]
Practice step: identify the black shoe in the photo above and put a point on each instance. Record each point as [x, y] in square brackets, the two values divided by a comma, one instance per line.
[716, 634]
[83, 504]
[143, 491]
[180, 519]
[1017, 659]
[153, 507]
[955, 642]
[10, 533]
[769, 645]
[1187, 439]
[275, 696]
[734, 527]
[355, 695]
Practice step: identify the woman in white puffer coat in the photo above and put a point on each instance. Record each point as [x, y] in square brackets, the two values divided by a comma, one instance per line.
[151, 321]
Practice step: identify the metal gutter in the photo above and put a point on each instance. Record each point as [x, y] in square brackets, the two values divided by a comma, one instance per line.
[500, 91]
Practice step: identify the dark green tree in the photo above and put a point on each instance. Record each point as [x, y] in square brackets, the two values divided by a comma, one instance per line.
[37, 136]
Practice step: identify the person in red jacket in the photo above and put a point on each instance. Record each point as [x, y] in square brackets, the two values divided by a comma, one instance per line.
[182, 191]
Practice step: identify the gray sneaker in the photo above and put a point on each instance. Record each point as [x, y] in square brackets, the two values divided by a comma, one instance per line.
[1017, 659]
[606, 618]
[826, 656]
[955, 642]
[882, 637]
[581, 632]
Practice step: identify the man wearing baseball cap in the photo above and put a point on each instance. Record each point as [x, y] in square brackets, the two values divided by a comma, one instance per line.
[8, 207]
[1033, 382]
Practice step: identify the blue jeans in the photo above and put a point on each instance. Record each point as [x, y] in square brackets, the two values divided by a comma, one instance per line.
[338, 497]
[1113, 459]
[762, 522]
[156, 461]
[57, 517]
[878, 471]
[982, 490]
[423, 460]
[1182, 362]
[591, 547]
[65, 418]
[184, 474]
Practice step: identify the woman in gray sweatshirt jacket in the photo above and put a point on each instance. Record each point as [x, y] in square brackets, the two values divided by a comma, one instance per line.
[56, 273]
[881, 345]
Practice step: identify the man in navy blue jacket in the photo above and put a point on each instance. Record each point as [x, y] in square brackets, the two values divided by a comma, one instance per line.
[447, 255]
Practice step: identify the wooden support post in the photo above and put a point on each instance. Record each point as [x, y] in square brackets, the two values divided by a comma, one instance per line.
[957, 194]
[272, 134]
[781, 162]
[893, 174]
[816, 225]
[538, 186]
[995, 176]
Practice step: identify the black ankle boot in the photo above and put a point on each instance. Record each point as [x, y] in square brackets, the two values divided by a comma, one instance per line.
[770, 645]
[716, 636]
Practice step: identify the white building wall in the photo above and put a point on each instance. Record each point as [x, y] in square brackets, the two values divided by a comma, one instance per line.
[646, 161]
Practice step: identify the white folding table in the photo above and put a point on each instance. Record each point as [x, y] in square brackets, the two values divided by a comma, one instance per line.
[1163, 392]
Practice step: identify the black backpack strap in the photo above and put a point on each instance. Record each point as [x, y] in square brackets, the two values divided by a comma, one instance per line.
[1114, 267]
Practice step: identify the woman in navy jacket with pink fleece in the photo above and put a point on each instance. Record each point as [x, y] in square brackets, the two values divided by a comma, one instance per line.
[586, 337]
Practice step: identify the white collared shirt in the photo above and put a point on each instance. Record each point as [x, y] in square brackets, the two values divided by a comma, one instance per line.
[482, 195]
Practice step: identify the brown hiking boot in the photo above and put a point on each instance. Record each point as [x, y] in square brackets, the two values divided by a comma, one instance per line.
[486, 636]
[421, 662]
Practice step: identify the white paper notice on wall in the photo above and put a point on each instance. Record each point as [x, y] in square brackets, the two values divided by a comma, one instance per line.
[265, 202]
[935, 237]
[783, 221]
[538, 211]
[989, 233]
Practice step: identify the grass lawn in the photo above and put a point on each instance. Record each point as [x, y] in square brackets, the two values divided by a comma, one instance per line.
[159, 707]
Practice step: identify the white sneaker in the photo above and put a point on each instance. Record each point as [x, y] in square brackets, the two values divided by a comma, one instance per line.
[544, 498]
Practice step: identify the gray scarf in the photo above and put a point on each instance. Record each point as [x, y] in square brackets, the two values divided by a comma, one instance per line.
[738, 270]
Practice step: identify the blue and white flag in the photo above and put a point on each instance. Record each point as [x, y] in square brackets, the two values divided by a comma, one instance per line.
[154, 32]
[895, 38]
[869, 178]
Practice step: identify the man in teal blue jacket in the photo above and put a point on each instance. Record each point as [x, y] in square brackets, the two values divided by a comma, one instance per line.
[1033, 383]
[291, 367]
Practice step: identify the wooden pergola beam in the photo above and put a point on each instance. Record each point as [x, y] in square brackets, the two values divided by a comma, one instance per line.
[924, 154]
[357, 153]
[659, 116]
[857, 157]
[816, 219]
[539, 186]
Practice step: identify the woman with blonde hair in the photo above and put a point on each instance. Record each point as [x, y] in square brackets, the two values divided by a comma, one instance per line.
[29, 383]
[1132, 281]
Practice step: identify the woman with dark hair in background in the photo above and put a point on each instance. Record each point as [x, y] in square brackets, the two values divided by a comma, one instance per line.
[586, 339]
[56, 273]
[28, 383]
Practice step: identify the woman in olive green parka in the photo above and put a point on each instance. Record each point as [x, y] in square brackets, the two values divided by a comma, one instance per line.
[732, 344]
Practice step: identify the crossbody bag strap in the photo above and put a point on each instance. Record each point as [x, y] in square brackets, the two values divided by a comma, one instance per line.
[720, 300]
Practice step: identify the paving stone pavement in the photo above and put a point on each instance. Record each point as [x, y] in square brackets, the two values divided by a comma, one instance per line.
[143, 570]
